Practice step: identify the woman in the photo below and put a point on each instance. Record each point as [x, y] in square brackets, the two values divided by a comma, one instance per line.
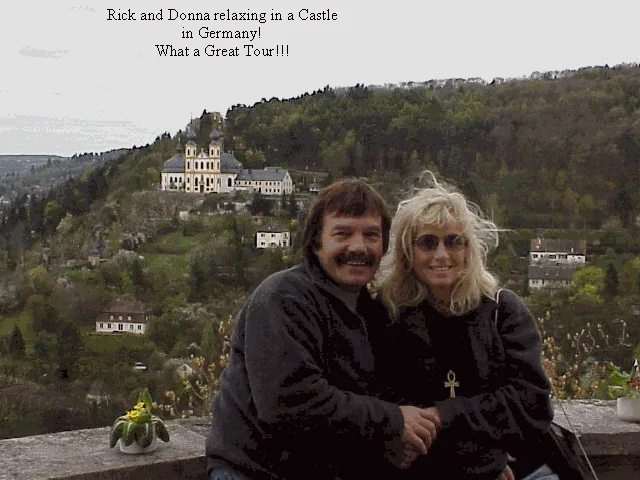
[448, 349]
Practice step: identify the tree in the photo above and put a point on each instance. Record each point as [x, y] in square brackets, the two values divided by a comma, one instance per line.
[587, 285]
[292, 206]
[611, 282]
[16, 342]
[585, 209]
[283, 205]
[260, 205]
[630, 277]
[44, 316]
[254, 159]
[69, 348]
[209, 343]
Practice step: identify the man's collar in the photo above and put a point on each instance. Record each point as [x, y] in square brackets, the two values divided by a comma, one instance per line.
[328, 284]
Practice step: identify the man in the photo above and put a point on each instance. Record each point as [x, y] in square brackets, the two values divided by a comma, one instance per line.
[294, 400]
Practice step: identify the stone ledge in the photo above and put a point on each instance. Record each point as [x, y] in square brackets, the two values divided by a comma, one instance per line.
[85, 455]
[612, 445]
[601, 431]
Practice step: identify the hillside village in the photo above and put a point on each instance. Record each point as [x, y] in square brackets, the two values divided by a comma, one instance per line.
[132, 271]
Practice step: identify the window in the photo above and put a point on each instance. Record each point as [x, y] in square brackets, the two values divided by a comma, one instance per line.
[119, 317]
[102, 325]
[108, 325]
[120, 327]
[110, 317]
[139, 327]
[131, 327]
[129, 317]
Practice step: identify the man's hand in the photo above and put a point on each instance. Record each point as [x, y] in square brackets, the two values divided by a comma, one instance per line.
[507, 474]
[420, 427]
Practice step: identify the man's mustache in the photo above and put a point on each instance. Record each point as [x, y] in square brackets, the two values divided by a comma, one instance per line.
[366, 258]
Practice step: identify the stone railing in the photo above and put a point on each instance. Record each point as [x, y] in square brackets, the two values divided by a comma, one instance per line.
[85, 455]
[612, 445]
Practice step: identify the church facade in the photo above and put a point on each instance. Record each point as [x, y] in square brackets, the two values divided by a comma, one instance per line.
[216, 172]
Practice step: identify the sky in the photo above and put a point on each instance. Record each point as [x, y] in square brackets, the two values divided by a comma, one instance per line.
[76, 77]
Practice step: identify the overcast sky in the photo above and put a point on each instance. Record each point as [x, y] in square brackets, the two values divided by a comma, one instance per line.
[73, 81]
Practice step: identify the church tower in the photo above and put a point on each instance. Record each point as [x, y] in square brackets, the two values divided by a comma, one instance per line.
[215, 148]
[190, 162]
[191, 147]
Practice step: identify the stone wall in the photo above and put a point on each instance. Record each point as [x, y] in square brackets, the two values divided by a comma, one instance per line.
[612, 445]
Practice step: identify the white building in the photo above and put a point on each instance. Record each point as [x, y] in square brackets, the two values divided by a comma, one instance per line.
[124, 317]
[551, 276]
[552, 262]
[273, 237]
[551, 250]
[217, 172]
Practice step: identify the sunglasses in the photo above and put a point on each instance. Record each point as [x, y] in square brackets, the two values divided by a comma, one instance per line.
[429, 242]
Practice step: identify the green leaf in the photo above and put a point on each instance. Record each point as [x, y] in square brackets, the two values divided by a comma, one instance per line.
[116, 432]
[129, 433]
[144, 434]
[161, 431]
[145, 397]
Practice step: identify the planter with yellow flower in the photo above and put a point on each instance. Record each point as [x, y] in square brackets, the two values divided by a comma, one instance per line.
[138, 430]
[625, 387]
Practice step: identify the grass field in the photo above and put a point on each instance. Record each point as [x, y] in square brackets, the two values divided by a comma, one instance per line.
[7, 324]
[165, 261]
[101, 344]
[22, 320]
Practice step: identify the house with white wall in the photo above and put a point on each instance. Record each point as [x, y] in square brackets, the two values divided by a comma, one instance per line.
[552, 262]
[124, 316]
[273, 236]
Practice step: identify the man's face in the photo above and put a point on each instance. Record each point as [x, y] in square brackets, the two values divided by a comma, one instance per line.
[351, 248]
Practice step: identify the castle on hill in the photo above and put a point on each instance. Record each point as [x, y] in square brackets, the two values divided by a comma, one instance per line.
[213, 171]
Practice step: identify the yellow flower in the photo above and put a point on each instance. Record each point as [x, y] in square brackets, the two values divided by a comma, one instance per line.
[139, 414]
[133, 415]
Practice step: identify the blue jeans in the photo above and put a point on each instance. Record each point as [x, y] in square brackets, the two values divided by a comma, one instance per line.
[225, 474]
[542, 473]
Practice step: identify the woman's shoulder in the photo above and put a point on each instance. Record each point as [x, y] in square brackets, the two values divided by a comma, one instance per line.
[508, 296]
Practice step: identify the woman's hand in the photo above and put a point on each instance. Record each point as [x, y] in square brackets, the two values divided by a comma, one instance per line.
[420, 426]
[409, 454]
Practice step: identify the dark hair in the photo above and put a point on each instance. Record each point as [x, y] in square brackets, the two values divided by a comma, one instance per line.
[351, 197]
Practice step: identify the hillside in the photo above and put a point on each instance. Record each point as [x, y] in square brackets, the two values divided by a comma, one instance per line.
[22, 163]
[555, 156]
[552, 151]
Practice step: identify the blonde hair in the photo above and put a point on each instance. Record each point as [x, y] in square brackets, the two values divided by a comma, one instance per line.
[441, 205]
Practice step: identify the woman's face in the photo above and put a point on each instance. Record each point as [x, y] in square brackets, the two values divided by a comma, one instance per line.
[438, 257]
